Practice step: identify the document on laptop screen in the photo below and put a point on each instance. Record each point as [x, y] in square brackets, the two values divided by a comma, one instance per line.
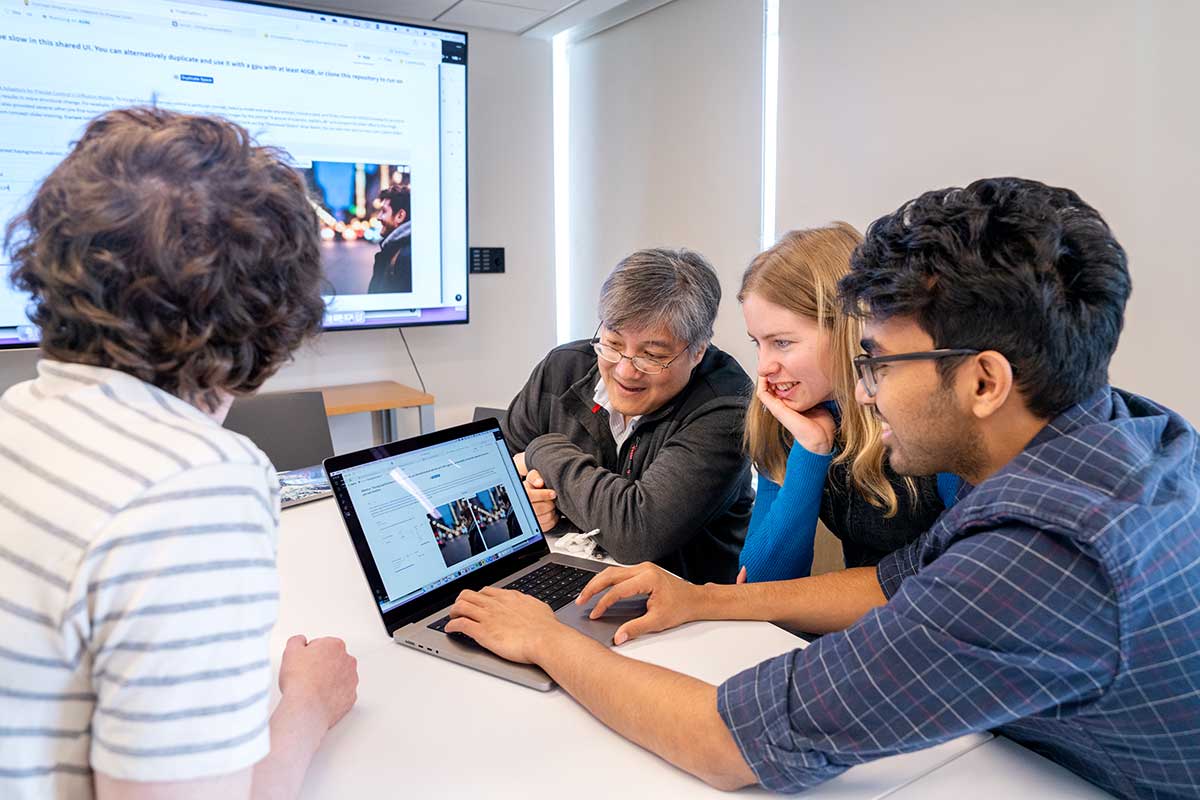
[438, 513]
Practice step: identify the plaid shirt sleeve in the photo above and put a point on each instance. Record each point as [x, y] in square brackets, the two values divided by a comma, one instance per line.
[1005, 624]
[898, 565]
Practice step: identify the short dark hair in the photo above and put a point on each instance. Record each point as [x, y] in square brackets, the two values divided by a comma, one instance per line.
[170, 247]
[399, 198]
[1006, 264]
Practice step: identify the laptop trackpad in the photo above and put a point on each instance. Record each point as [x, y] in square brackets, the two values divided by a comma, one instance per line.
[602, 629]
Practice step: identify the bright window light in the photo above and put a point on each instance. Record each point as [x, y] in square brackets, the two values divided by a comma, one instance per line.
[770, 119]
[562, 199]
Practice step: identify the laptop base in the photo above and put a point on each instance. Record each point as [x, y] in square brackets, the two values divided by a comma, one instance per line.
[421, 637]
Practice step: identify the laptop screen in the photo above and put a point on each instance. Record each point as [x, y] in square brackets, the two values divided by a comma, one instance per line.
[434, 514]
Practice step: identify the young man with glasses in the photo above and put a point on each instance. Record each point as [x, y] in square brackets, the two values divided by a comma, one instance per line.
[637, 432]
[1055, 603]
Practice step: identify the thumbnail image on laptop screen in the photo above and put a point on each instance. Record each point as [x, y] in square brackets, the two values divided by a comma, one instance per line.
[437, 513]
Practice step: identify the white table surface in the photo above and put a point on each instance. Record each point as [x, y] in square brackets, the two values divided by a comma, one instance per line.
[1001, 769]
[424, 727]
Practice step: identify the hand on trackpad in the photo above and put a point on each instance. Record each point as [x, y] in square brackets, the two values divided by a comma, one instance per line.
[627, 608]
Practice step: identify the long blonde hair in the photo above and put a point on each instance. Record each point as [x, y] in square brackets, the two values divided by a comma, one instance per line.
[800, 273]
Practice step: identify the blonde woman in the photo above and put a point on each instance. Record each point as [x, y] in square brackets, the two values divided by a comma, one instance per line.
[818, 453]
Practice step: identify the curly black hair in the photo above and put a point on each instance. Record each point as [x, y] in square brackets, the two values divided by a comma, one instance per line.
[171, 247]
[399, 198]
[1005, 264]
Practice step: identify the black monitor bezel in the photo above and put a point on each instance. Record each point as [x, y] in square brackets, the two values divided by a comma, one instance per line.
[442, 596]
[467, 191]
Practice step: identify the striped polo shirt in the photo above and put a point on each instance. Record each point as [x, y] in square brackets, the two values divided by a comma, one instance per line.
[137, 586]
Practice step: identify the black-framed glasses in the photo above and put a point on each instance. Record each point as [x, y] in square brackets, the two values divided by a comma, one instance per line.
[643, 364]
[865, 366]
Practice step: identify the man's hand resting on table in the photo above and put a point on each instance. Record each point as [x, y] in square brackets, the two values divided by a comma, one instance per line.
[323, 674]
[671, 601]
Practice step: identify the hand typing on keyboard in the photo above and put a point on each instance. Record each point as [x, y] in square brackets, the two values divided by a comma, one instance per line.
[511, 624]
[553, 584]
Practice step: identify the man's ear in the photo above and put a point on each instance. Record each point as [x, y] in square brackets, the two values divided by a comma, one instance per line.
[401, 216]
[991, 383]
[699, 354]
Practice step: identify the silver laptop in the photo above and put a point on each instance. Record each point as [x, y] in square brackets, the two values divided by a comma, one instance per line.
[436, 514]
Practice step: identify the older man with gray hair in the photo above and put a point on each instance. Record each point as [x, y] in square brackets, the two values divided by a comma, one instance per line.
[638, 430]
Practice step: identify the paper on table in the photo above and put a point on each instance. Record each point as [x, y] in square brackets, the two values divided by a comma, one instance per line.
[583, 545]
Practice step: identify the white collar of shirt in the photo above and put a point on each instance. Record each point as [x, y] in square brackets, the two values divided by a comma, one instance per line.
[618, 424]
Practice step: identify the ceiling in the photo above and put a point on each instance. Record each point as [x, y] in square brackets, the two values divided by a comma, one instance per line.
[538, 18]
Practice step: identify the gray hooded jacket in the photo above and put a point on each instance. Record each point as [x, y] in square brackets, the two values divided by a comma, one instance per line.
[677, 492]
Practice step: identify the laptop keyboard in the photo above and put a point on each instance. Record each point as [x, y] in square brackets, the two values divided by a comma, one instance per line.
[554, 584]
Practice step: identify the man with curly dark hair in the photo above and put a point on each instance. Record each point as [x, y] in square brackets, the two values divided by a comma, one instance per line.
[172, 265]
[1055, 603]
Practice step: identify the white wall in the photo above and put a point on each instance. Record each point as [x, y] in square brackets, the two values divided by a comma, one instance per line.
[665, 147]
[512, 315]
[880, 101]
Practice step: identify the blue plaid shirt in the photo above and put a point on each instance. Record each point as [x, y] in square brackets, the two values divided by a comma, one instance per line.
[1058, 603]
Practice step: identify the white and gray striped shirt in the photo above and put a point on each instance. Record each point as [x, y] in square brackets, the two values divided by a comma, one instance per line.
[137, 586]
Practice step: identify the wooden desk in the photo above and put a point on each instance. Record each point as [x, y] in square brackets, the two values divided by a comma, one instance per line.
[381, 399]
[424, 727]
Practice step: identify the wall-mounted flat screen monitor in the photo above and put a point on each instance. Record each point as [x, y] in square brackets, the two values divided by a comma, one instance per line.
[373, 114]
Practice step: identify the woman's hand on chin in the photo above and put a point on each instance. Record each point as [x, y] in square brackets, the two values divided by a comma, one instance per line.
[814, 429]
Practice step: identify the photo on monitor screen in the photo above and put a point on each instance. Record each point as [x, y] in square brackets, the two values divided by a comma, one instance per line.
[365, 214]
[373, 114]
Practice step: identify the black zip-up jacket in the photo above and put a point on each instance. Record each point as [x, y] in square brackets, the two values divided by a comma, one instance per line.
[676, 493]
